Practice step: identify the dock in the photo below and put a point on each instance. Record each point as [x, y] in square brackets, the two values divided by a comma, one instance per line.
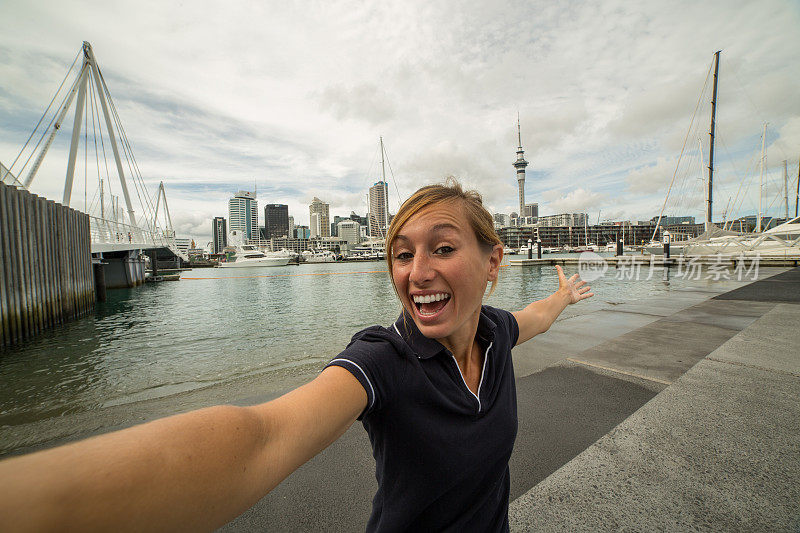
[657, 260]
[717, 449]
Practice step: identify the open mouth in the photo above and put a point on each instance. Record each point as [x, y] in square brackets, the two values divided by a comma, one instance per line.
[431, 304]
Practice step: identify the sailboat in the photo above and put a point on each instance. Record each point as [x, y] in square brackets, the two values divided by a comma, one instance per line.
[780, 241]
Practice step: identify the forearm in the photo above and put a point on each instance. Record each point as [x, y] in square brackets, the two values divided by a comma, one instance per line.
[538, 316]
[193, 471]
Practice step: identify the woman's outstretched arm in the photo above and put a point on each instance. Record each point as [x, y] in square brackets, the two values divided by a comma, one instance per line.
[538, 316]
[194, 471]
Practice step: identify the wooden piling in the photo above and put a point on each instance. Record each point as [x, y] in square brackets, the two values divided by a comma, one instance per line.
[46, 274]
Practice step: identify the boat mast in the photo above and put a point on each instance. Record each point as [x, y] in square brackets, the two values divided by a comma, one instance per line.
[797, 194]
[786, 189]
[761, 178]
[711, 143]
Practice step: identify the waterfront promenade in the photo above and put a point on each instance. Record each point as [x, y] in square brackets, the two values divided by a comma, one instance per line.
[672, 414]
[675, 412]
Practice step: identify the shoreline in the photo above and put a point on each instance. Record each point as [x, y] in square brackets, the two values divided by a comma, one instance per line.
[263, 386]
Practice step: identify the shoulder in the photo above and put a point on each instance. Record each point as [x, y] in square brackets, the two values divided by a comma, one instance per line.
[378, 358]
[377, 339]
[505, 321]
[376, 347]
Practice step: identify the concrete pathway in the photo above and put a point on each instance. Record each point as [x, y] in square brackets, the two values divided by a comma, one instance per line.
[718, 450]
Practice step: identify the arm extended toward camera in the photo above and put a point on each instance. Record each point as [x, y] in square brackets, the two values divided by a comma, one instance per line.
[194, 471]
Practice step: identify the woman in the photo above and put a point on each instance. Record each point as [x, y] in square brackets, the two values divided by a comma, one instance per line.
[435, 392]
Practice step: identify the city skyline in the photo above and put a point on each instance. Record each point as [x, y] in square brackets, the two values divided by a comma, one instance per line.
[605, 94]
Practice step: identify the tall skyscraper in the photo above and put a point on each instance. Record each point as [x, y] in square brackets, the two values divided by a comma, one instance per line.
[379, 209]
[276, 221]
[219, 234]
[520, 165]
[291, 227]
[243, 214]
[321, 209]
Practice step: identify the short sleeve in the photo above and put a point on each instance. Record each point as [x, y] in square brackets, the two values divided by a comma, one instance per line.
[373, 357]
[507, 322]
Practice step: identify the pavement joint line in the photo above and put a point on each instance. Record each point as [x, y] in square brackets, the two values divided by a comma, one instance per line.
[755, 367]
[617, 371]
[629, 311]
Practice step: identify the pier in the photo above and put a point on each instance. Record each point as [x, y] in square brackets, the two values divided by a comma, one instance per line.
[45, 265]
[56, 261]
[645, 260]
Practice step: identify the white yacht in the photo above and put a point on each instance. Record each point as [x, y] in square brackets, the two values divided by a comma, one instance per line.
[249, 256]
[318, 256]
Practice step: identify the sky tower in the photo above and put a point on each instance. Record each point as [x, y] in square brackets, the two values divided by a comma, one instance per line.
[520, 165]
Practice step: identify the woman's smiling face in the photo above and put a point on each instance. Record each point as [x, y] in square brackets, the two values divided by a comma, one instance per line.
[440, 270]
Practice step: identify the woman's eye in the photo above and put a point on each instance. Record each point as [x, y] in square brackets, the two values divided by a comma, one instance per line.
[444, 250]
[403, 256]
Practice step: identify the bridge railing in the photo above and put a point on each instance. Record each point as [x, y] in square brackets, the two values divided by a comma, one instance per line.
[127, 236]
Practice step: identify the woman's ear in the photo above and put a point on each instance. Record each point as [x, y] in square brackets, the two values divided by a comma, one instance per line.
[495, 258]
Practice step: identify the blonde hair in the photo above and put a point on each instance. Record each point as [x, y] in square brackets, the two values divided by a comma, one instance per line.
[449, 192]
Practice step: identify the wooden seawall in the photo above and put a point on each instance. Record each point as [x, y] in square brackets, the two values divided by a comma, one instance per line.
[45, 264]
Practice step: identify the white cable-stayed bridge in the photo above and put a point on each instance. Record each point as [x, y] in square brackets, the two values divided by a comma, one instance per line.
[124, 216]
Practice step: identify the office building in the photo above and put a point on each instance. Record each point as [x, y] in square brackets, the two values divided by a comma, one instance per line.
[563, 220]
[243, 214]
[501, 220]
[322, 224]
[531, 210]
[291, 226]
[349, 230]
[379, 209]
[276, 221]
[219, 234]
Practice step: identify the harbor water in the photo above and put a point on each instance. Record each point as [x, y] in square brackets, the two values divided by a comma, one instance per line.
[217, 328]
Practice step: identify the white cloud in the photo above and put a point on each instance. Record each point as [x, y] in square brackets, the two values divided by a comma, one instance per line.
[576, 201]
[215, 95]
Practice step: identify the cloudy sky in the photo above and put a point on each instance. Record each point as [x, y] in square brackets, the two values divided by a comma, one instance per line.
[291, 98]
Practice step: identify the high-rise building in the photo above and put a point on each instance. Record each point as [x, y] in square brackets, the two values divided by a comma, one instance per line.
[302, 232]
[321, 209]
[243, 214]
[219, 234]
[520, 165]
[315, 225]
[291, 227]
[276, 221]
[501, 220]
[349, 230]
[335, 225]
[531, 210]
[379, 209]
[564, 219]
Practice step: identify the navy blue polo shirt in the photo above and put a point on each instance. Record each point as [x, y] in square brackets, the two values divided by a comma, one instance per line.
[441, 452]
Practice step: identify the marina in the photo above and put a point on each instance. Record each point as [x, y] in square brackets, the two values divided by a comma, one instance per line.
[664, 399]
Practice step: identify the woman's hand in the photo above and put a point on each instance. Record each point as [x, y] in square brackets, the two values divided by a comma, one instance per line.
[573, 288]
[538, 316]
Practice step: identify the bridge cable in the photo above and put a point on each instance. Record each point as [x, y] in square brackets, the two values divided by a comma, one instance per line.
[44, 132]
[147, 207]
[46, 110]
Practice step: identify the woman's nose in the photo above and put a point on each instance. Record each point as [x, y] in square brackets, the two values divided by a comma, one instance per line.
[421, 269]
